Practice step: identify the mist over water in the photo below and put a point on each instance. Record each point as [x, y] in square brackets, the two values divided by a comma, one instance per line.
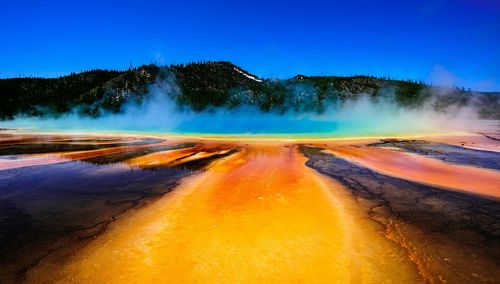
[365, 116]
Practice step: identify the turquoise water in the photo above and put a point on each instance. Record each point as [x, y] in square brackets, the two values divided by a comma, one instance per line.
[212, 125]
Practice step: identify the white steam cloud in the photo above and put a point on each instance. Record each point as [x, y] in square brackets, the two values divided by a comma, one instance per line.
[158, 113]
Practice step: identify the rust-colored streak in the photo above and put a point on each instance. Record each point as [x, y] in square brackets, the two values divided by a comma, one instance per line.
[59, 157]
[422, 169]
[172, 158]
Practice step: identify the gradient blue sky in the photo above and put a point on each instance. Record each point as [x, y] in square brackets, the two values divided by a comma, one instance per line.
[444, 41]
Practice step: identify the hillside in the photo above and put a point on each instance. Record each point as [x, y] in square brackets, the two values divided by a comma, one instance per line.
[218, 84]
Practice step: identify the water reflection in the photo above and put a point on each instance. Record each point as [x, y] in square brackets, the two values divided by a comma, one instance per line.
[44, 208]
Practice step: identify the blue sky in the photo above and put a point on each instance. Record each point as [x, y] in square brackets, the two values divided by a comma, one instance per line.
[444, 41]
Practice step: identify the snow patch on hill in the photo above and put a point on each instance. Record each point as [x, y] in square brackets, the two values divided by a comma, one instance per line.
[247, 75]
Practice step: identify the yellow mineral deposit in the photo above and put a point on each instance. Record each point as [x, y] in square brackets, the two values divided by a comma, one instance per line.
[259, 215]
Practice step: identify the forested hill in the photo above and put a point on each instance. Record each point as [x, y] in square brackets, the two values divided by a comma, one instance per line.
[218, 84]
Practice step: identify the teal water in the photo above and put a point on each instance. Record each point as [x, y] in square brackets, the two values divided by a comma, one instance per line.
[258, 125]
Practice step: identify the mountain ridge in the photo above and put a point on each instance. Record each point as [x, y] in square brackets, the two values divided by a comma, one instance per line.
[205, 85]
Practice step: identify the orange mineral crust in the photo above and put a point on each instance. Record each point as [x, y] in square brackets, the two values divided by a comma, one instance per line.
[257, 215]
[104, 146]
[59, 157]
[161, 158]
[78, 155]
[172, 158]
[422, 169]
[483, 141]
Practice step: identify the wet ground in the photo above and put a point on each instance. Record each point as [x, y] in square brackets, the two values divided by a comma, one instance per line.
[450, 235]
[132, 209]
[445, 152]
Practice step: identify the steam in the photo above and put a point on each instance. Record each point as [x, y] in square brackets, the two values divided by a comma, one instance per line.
[364, 116]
